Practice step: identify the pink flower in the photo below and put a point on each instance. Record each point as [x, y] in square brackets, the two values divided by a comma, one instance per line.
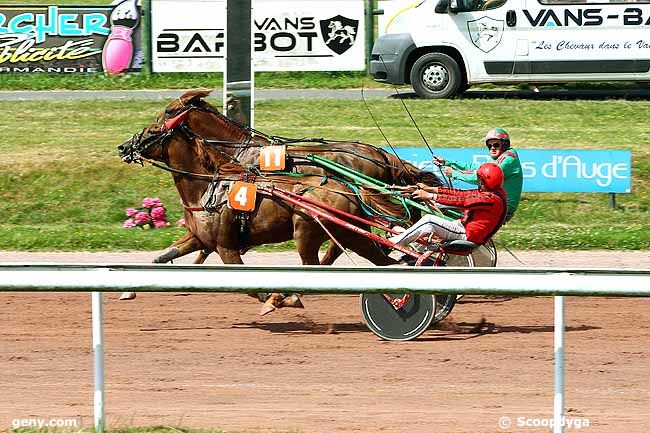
[128, 224]
[142, 218]
[150, 202]
[180, 222]
[159, 224]
[131, 211]
[158, 213]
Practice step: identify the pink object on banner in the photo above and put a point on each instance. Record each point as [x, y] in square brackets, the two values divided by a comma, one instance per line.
[118, 50]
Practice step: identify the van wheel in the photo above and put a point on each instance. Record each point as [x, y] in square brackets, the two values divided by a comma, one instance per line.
[436, 76]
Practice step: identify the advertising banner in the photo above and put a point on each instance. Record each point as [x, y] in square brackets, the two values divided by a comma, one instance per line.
[289, 35]
[70, 39]
[606, 171]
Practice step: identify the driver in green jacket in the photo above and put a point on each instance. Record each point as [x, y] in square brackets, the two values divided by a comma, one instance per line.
[497, 141]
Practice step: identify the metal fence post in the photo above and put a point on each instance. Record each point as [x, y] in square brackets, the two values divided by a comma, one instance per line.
[239, 76]
[98, 361]
[612, 200]
[145, 36]
[558, 401]
[370, 31]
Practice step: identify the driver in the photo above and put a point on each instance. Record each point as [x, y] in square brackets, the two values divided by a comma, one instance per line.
[484, 208]
[497, 141]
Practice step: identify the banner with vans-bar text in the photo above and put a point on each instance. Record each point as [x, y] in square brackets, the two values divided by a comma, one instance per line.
[289, 35]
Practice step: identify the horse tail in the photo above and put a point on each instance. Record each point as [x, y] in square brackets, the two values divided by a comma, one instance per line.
[383, 206]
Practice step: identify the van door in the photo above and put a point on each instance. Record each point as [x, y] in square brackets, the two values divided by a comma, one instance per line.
[489, 36]
[588, 40]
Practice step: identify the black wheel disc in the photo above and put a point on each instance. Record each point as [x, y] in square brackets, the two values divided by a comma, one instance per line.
[405, 323]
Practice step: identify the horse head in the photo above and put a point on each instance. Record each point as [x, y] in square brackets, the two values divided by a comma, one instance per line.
[150, 142]
[178, 137]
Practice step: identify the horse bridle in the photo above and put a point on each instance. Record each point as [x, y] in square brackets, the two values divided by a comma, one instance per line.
[142, 141]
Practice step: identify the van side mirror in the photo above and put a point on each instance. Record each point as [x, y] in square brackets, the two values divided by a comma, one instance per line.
[455, 6]
[442, 7]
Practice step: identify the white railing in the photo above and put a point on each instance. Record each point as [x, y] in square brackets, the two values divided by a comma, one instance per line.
[30, 277]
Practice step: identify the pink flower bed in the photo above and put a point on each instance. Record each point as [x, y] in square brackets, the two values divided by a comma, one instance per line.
[151, 214]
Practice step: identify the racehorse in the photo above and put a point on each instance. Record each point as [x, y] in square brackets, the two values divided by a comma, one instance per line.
[243, 145]
[199, 170]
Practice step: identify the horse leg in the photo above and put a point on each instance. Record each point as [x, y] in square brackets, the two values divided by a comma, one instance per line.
[200, 259]
[233, 257]
[187, 244]
[229, 256]
[333, 252]
[309, 237]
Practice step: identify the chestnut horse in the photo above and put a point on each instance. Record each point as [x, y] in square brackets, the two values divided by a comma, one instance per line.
[242, 144]
[199, 172]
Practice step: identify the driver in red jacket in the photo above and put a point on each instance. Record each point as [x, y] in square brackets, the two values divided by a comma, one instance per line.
[484, 208]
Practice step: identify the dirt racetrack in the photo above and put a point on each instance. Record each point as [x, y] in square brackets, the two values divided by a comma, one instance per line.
[209, 361]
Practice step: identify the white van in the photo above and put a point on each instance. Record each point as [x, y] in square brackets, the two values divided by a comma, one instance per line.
[441, 47]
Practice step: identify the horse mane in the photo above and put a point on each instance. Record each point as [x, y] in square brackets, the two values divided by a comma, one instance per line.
[195, 99]
[214, 160]
[210, 158]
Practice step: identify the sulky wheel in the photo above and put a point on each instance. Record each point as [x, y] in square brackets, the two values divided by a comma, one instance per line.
[485, 255]
[461, 262]
[398, 317]
[444, 305]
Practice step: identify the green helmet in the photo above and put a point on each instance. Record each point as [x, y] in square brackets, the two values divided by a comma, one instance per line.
[499, 134]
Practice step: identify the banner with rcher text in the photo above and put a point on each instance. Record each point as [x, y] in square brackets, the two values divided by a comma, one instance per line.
[288, 35]
[606, 171]
[71, 39]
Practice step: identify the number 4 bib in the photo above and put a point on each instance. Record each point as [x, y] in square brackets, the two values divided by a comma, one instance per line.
[242, 196]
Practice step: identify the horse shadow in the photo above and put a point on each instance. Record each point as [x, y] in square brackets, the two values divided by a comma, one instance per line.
[450, 331]
[303, 327]
[485, 300]
[546, 94]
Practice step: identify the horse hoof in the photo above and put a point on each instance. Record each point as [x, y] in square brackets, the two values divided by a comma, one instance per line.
[292, 301]
[127, 296]
[267, 308]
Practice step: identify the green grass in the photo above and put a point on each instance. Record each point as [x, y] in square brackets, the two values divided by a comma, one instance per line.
[284, 80]
[63, 186]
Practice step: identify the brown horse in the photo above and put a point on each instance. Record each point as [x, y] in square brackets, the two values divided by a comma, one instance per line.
[200, 171]
[243, 144]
